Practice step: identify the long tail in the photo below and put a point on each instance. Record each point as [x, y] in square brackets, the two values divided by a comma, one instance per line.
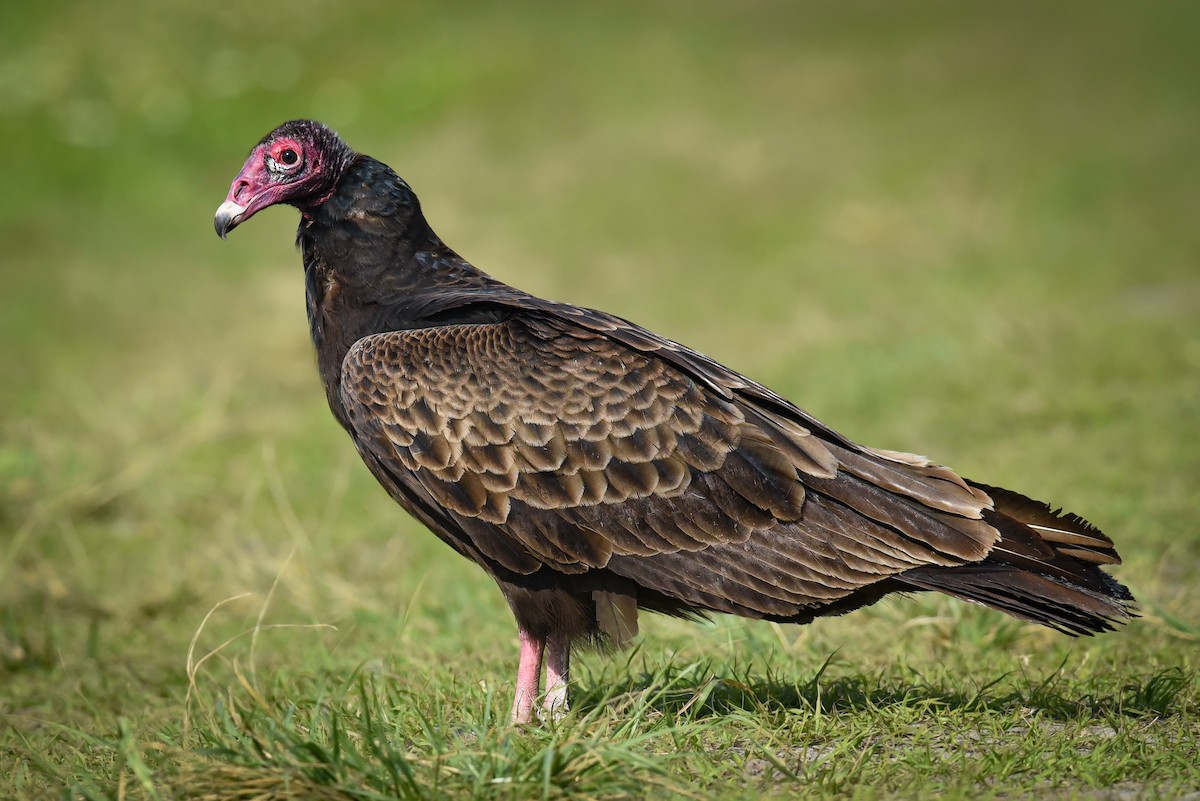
[1045, 569]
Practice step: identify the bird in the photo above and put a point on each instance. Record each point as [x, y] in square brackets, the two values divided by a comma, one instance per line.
[594, 468]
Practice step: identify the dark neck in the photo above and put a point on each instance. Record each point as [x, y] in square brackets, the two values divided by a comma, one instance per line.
[372, 264]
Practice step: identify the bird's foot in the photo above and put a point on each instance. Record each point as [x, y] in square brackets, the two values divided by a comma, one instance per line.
[555, 705]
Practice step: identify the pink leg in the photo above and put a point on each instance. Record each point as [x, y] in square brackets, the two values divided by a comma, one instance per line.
[558, 674]
[529, 676]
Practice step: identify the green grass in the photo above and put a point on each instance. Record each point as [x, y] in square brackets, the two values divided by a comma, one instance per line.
[960, 229]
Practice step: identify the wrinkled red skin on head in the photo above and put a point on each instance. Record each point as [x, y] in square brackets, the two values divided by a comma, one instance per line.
[267, 178]
[252, 180]
[257, 187]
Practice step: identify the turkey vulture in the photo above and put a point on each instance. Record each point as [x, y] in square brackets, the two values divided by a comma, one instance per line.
[593, 468]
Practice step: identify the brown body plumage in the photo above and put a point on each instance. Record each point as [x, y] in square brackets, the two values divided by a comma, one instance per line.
[592, 467]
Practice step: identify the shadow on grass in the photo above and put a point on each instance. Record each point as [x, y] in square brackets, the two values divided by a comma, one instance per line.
[696, 692]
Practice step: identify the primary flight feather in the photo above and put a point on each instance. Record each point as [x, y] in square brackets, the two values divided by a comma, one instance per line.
[593, 468]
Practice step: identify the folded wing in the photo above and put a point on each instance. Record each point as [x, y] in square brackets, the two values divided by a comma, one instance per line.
[551, 444]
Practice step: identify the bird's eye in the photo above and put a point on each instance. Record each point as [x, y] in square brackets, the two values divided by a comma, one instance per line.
[285, 158]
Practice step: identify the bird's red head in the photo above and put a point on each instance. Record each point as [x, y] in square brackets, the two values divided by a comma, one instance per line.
[299, 163]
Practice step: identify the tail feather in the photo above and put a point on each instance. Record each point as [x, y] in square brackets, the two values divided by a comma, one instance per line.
[1045, 569]
[1028, 596]
[1065, 532]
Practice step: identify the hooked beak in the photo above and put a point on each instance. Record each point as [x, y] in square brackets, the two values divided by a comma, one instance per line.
[229, 214]
[251, 192]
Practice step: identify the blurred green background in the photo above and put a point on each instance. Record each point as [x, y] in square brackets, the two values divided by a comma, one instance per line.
[966, 230]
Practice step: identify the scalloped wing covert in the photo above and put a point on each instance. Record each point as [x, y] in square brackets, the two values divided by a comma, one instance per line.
[557, 446]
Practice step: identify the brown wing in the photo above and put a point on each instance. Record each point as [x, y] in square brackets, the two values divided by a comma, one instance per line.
[553, 445]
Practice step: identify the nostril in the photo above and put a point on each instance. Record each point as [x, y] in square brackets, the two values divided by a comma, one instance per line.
[238, 188]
